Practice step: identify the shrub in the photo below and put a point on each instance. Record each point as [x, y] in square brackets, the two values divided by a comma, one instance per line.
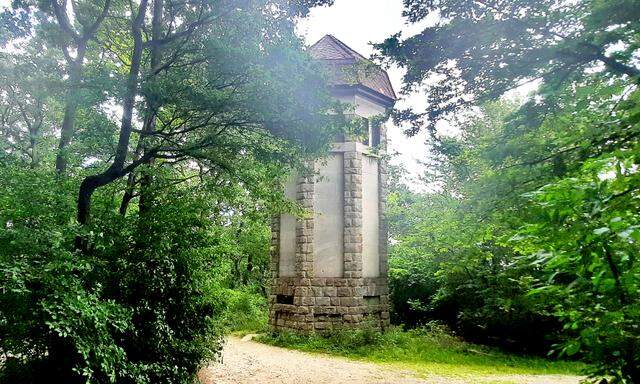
[139, 306]
[245, 311]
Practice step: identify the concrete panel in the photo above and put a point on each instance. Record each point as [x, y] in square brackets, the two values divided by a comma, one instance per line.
[367, 108]
[370, 218]
[286, 266]
[361, 106]
[329, 218]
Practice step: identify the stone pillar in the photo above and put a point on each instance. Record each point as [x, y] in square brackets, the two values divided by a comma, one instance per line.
[353, 214]
[274, 250]
[382, 283]
[351, 301]
[274, 263]
[304, 229]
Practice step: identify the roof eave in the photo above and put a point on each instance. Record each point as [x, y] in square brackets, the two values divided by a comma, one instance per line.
[365, 92]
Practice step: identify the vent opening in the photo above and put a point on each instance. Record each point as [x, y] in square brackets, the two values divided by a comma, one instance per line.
[284, 299]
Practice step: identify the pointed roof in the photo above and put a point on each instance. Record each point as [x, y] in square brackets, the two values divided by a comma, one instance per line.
[341, 61]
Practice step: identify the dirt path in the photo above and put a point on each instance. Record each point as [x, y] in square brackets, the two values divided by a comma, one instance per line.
[254, 363]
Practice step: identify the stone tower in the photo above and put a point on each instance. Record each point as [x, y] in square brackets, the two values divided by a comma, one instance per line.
[330, 268]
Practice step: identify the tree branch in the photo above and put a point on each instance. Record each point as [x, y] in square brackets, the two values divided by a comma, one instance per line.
[63, 20]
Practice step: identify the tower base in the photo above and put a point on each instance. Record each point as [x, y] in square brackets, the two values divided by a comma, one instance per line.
[319, 304]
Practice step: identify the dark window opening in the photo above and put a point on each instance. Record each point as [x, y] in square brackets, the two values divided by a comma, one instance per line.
[284, 299]
[375, 135]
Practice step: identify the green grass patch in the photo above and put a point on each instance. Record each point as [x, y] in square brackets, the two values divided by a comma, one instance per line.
[245, 312]
[428, 351]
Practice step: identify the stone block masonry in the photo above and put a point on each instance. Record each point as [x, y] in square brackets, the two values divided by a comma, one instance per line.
[328, 303]
[304, 229]
[329, 267]
[306, 303]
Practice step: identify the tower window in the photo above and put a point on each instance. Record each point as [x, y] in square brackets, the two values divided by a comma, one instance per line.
[367, 129]
[374, 134]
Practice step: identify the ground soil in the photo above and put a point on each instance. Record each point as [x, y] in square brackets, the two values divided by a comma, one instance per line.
[246, 361]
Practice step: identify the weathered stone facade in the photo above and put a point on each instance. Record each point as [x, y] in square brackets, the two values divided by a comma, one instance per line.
[337, 275]
[307, 303]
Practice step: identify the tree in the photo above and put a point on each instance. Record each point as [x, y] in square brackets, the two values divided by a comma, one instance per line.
[480, 49]
[207, 104]
[584, 234]
[74, 39]
[450, 261]
[553, 182]
[180, 131]
[24, 106]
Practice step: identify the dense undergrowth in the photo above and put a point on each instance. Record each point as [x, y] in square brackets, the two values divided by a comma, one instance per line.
[245, 312]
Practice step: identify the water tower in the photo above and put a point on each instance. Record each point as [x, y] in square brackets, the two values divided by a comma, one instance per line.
[330, 268]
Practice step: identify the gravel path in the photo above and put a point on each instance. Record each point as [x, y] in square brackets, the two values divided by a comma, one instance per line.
[248, 362]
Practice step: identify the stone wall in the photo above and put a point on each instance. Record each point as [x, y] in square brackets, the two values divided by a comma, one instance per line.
[324, 303]
[304, 229]
[308, 303]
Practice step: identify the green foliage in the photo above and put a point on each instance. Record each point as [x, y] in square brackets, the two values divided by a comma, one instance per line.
[429, 350]
[556, 234]
[449, 261]
[118, 313]
[539, 197]
[586, 237]
[245, 312]
[141, 151]
[475, 51]
[47, 305]
[443, 266]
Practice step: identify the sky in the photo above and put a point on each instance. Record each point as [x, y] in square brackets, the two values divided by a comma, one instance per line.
[358, 23]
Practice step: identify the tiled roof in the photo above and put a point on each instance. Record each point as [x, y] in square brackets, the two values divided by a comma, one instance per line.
[342, 60]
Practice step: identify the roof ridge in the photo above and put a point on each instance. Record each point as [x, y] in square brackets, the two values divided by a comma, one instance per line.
[339, 56]
[342, 49]
[346, 47]
[317, 42]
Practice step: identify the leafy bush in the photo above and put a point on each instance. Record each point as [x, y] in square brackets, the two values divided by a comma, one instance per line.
[532, 251]
[343, 341]
[442, 267]
[245, 311]
[141, 313]
[587, 238]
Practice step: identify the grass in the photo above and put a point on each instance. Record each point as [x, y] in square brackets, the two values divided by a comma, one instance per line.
[429, 351]
[245, 312]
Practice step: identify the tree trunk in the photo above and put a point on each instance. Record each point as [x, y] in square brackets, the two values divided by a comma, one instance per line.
[152, 106]
[69, 120]
[619, 68]
[615, 272]
[631, 370]
[75, 74]
[128, 194]
[249, 269]
[149, 121]
[116, 170]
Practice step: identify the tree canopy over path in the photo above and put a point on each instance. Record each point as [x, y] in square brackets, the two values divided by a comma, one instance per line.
[136, 138]
[531, 238]
[144, 145]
